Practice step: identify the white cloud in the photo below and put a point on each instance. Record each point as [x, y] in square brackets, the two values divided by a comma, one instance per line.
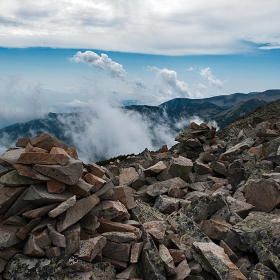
[101, 62]
[142, 26]
[206, 73]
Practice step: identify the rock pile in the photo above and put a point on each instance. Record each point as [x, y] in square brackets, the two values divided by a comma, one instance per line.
[204, 209]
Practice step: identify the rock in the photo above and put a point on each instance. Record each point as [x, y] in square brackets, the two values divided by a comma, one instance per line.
[62, 207]
[182, 270]
[167, 260]
[238, 148]
[120, 237]
[72, 235]
[219, 167]
[39, 195]
[215, 229]
[96, 170]
[81, 188]
[39, 212]
[13, 179]
[89, 248]
[156, 229]
[217, 262]
[57, 239]
[11, 156]
[125, 196]
[42, 158]
[68, 174]
[132, 272]
[163, 187]
[28, 171]
[176, 192]
[261, 271]
[89, 223]
[8, 235]
[166, 204]
[180, 167]
[177, 255]
[151, 264]
[264, 194]
[117, 251]
[55, 186]
[32, 249]
[202, 168]
[24, 231]
[128, 176]
[43, 239]
[76, 212]
[155, 169]
[136, 249]
[95, 181]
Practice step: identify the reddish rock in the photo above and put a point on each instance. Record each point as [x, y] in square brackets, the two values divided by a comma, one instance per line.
[62, 207]
[23, 232]
[177, 255]
[156, 229]
[28, 171]
[136, 249]
[125, 196]
[57, 150]
[155, 169]
[97, 182]
[55, 186]
[96, 170]
[43, 239]
[39, 212]
[128, 176]
[72, 152]
[42, 158]
[215, 229]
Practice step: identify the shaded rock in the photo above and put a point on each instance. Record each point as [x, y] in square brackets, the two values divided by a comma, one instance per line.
[96, 170]
[11, 156]
[264, 194]
[42, 158]
[8, 236]
[68, 174]
[57, 239]
[117, 251]
[28, 171]
[215, 229]
[95, 181]
[76, 212]
[180, 167]
[39, 212]
[177, 255]
[151, 264]
[176, 192]
[43, 239]
[55, 186]
[167, 260]
[238, 148]
[120, 237]
[13, 179]
[32, 249]
[39, 195]
[24, 231]
[131, 272]
[166, 204]
[136, 250]
[217, 262]
[219, 167]
[62, 207]
[155, 169]
[261, 271]
[202, 168]
[72, 235]
[128, 176]
[182, 270]
[156, 229]
[81, 188]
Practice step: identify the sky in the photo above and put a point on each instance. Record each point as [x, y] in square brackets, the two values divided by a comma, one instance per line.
[61, 56]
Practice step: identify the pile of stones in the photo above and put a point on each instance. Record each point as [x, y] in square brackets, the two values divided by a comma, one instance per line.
[203, 209]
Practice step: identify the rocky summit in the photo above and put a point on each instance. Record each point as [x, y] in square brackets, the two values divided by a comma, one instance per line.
[207, 208]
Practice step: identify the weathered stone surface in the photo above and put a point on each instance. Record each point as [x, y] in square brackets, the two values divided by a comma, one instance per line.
[176, 192]
[23, 232]
[43, 239]
[96, 170]
[238, 148]
[111, 210]
[76, 212]
[219, 167]
[215, 229]
[117, 251]
[151, 264]
[8, 236]
[261, 271]
[22, 267]
[131, 272]
[177, 255]
[13, 179]
[55, 186]
[62, 207]
[95, 181]
[89, 248]
[106, 226]
[155, 169]
[180, 167]
[39, 195]
[32, 249]
[28, 171]
[39, 212]
[68, 174]
[163, 187]
[81, 188]
[264, 194]
[16, 221]
[182, 270]
[167, 260]
[217, 262]
[42, 158]
[202, 168]
[125, 196]
[90, 223]
[57, 239]
[156, 229]
[120, 237]
[8, 195]
[136, 249]
[72, 235]
[166, 204]
[11, 156]
[47, 141]
[128, 176]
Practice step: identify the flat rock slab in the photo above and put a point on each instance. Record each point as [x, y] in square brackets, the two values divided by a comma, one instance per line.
[43, 158]
[163, 187]
[28, 171]
[62, 207]
[13, 179]
[77, 212]
[128, 176]
[10, 157]
[68, 174]
[217, 261]
[8, 236]
[120, 237]
[39, 195]
[155, 169]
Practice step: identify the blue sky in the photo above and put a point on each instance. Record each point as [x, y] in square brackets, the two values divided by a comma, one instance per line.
[63, 56]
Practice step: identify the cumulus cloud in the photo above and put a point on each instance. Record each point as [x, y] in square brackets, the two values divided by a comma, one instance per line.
[201, 27]
[101, 62]
[206, 73]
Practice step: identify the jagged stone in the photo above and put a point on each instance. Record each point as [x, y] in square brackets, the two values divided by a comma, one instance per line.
[151, 264]
[180, 167]
[155, 169]
[125, 196]
[53, 252]
[117, 251]
[96, 170]
[32, 249]
[13, 179]
[16, 221]
[131, 272]
[62, 207]
[167, 260]
[72, 235]
[39, 195]
[182, 270]
[177, 255]
[89, 248]
[8, 236]
[43, 239]
[136, 250]
[76, 212]
[166, 204]
[238, 148]
[215, 229]
[261, 271]
[111, 210]
[90, 222]
[57, 239]
[233, 257]
[42, 158]
[176, 192]
[202, 168]
[128, 176]
[39, 212]
[11, 156]
[28, 171]
[219, 167]
[217, 261]
[163, 187]
[24, 231]
[95, 181]
[54, 186]
[156, 229]
[120, 237]
[43, 224]
[264, 194]
[68, 174]
[81, 188]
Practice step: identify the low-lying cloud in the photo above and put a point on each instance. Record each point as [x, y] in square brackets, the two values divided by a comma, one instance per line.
[103, 62]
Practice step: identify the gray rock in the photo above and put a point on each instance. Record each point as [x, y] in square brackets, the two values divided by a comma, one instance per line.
[13, 179]
[180, 167]
[11, 156]
[166, 204]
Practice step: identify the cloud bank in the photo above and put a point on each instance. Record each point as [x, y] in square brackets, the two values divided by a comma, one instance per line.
[142, 26]
[206, 73]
